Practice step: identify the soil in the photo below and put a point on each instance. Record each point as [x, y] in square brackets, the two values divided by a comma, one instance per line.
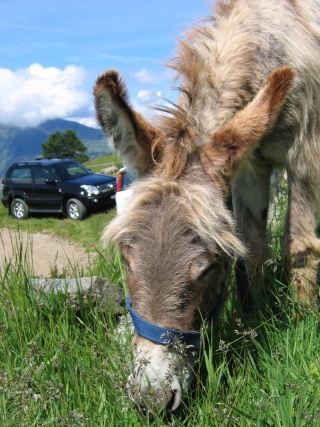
[42, 253]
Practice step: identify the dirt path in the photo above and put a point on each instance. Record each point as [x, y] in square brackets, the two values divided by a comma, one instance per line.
[41, 253]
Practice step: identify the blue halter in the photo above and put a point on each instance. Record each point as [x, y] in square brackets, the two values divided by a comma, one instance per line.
[166, 336]
[161, 335]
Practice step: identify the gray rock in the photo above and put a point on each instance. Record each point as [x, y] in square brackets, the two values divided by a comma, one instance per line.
[94, 289]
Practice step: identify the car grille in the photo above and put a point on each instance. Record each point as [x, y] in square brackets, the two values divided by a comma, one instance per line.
[106, 187]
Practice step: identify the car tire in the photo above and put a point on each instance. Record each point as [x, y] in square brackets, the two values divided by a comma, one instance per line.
[76, 210]
[19, 209]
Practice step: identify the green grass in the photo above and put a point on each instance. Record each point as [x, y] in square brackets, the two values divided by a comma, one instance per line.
[86, 233]
[65, 366]
[104, 161]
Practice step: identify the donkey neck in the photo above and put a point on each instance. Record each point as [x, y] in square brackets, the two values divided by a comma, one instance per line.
[219, 71]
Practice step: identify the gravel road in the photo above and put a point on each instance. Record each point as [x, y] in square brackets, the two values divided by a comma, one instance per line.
[42, 252]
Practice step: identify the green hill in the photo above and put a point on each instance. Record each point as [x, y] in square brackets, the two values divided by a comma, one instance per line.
[20, 144]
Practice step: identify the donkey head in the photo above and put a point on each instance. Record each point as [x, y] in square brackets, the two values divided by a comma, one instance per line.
[178, 237]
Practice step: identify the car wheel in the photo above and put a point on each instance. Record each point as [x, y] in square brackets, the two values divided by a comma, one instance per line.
[76, 210]
[19, 209]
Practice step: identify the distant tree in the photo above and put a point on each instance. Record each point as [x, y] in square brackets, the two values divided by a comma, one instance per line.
[65, 144]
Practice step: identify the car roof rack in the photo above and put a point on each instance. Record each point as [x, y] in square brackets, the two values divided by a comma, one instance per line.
[51, 158]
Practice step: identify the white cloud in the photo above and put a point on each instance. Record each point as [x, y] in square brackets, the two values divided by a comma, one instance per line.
[145, 100]
[91, 122]
[34, 94]
[151, 77]
[150, 95]
[144, 95]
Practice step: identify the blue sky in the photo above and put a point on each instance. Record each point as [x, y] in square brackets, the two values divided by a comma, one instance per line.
[51, 52]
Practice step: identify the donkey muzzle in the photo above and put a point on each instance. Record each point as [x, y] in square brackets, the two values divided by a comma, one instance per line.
[160, 375]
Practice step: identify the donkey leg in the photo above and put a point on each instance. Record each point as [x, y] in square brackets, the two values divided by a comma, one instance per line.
[251, 193]
[301, 247]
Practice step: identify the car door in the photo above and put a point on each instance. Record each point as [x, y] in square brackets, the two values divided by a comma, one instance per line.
[21, 185]
[47, 195]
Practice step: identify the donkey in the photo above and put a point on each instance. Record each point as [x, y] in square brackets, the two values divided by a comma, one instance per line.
[249, 102]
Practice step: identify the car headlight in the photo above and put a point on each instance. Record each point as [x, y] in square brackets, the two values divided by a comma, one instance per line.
[91, 190]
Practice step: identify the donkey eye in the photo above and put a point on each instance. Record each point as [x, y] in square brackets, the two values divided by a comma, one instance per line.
[201, 264]
[207, 270]
[201, 267]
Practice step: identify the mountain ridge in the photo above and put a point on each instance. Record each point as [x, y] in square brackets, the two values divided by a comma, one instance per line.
[22, 144]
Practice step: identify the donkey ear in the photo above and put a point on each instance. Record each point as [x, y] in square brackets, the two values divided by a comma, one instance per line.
[242, 133]
[129, 133]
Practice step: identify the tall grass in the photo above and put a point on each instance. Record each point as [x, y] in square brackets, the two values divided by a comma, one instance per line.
[63, 364]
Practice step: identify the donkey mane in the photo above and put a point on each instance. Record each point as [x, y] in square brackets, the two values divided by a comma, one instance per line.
[200, 212]
[227, 76]
[178, 143]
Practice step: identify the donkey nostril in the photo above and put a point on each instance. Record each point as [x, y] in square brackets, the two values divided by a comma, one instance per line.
[170, 402]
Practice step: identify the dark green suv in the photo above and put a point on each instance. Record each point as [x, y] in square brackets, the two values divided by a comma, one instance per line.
[56, 186]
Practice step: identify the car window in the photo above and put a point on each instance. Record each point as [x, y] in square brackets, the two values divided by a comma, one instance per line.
[21, 175]
[69, 170]
[41, 174]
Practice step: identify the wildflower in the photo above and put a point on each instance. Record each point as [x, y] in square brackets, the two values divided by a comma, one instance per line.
[251, 333]
[223, 347]
[36, 397]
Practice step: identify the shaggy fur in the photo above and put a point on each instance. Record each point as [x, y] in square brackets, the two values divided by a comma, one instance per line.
[249, 103]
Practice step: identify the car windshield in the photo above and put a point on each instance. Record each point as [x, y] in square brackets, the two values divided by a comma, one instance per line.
[69, 170]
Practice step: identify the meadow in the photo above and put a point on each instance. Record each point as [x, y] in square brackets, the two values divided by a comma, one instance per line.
[63, 364]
